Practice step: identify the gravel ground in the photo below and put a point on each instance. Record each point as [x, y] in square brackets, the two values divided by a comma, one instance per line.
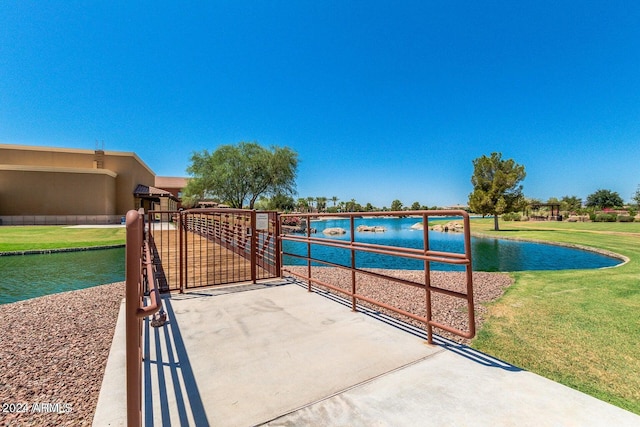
[53, 352]
[446, 309]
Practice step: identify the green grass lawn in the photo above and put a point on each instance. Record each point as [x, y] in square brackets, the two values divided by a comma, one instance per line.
[577, 327]
[21, 238]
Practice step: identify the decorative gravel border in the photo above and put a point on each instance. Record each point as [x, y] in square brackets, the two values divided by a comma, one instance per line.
[447, 310]
[53, 352]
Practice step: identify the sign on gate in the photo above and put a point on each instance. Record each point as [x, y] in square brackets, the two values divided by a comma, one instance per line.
[262, 221]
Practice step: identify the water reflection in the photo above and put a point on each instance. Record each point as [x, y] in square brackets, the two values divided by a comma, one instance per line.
[29, 276]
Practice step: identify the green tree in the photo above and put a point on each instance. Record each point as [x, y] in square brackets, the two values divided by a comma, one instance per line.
[570, 204]
[604, 199]
[321, 202]
[278, 202]
[396, 205]
[310, 201]
[353, 206]
[302, 205]
[636, 197]
[496, 186]
[243, 172]
[415, 206]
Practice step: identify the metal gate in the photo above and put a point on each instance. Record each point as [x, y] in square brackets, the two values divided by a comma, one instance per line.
[206, 247]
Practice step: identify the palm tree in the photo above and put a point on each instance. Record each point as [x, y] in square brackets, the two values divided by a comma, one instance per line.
[334, 199]
[321, 203]
[303, 205]
[311, 200]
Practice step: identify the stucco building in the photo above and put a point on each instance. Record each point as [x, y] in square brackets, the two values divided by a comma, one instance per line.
[44, 185]
[173, 184]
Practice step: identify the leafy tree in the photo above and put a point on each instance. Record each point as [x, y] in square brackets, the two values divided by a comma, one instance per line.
[570, 204]
[415, 206]
[636, 197]
[553, 200]
[243, 172]
[604, 199]
[279, 202]
[396, 205]
[534, 201]
[496, 186]
[353, 206]
[302, 205]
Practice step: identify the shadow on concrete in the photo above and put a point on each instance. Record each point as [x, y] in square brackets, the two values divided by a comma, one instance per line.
[174, 357]
[460, 349]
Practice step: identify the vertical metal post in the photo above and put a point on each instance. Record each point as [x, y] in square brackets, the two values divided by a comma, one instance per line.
[469, 271]
[133, 351]
[353, 265]
[181, 227]
[309, 253]
[277, 244]
[427, 277]
[253, 239]
[189, 230]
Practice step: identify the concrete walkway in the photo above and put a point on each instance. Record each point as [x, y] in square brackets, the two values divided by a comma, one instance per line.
[274, 354]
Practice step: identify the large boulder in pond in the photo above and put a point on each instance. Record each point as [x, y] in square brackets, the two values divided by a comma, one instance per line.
[334, 231]
[371, 228]
[456, 227]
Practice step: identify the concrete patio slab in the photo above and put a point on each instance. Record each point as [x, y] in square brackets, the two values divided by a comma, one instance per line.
[275, 354]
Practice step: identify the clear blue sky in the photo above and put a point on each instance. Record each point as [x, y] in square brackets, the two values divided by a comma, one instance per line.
[381, 99]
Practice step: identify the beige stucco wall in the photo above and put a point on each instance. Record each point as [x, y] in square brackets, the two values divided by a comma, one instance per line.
[67, 181]
[45, 156]
[57, 191]
[131, 172]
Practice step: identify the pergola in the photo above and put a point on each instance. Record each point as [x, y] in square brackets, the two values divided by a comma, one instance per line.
[554, 214]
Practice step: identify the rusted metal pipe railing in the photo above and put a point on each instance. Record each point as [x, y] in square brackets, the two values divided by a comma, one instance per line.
[138, 271]
[425, 254]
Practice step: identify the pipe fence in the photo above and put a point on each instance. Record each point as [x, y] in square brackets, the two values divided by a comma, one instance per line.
[308, 243]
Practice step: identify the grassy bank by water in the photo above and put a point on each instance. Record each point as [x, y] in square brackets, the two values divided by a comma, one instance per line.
[24, 238]
[576, 327]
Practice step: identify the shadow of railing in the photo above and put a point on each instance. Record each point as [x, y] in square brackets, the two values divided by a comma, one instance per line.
[169, 352]
[460, 349]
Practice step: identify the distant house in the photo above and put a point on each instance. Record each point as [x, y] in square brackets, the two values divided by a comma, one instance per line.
[172, 184]
[44, 185]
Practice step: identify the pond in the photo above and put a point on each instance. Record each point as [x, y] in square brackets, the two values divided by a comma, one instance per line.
[487, 254]
[30, 276]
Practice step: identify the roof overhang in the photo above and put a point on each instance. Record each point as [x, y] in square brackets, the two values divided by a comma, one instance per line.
[148, 192]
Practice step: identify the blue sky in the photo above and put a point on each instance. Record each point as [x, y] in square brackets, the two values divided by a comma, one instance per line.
[381, 99]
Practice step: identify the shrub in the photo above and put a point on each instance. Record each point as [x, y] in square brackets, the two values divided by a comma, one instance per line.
[625, 218]
[511, 216]
[603, 217]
